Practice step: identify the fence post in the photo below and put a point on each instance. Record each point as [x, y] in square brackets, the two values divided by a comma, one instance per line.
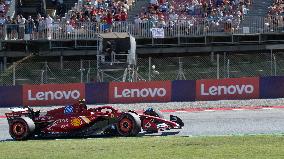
[1, 66]
[228, 68]
[42, 74]
[45, 71]
[4, 63]
[218, 66]
[61, 62]
[14, 73]
[81, 70]
[89, 72]
[150, 66]
[224, 64]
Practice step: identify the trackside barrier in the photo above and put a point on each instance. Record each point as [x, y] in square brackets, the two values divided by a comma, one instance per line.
[97, 92]
[272, 87]
[229, 88]
[135, 92]
[183, 90]
[10, 96]
[52, 94]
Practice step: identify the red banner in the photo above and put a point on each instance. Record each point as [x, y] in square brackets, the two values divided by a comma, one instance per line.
[231, 88]
[158, 91]
[52, 94]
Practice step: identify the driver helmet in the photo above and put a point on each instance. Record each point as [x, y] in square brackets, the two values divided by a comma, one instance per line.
[149, 109]
[82, 101]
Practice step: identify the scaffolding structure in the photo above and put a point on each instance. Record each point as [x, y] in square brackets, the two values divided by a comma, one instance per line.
[120, 63]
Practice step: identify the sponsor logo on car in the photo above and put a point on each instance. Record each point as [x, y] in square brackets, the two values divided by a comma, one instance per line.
[232, 88]
[76, 122]
[52, 94]
[158, 91]
[68, 109]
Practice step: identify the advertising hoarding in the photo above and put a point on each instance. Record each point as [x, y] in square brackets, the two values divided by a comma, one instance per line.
[132, 92]
[96, 93]
[11, 96]
[272, 87]
[53, 94]
[183, 90]
[229, 88]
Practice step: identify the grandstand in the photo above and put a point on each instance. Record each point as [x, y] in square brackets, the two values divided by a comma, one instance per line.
[200, 39]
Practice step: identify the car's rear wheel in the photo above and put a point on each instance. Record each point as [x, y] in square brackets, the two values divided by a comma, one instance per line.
[21, 128]
[129, 125]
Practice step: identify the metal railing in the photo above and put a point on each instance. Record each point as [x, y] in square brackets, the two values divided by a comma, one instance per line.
[205, 66]
[180, 28]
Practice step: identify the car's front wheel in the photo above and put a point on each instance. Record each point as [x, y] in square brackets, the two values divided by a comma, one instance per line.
[129, 125]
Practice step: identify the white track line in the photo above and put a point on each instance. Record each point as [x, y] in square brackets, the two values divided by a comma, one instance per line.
[267, 108]
[237, 109]
[181, 111]
[209, 110]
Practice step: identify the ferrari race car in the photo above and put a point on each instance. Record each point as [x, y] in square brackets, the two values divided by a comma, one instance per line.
[77, 120]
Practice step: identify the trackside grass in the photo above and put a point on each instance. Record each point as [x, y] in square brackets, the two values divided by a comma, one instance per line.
[239, 147]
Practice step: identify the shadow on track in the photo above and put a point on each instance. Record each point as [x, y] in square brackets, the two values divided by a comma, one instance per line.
[142, 134]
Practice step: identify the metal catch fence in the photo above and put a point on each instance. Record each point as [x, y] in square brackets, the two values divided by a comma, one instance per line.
[207, 66]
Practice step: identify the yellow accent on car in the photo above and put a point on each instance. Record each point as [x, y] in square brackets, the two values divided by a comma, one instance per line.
[76, 122]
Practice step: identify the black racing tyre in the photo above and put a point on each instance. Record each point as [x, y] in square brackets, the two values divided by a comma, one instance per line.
[129, 124]
[21, 128]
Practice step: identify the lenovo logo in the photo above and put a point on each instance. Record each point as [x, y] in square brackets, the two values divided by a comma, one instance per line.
[50, 95]
[144, 92]
[223, 90]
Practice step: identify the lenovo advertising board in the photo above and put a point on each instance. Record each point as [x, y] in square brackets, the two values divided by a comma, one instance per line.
[183, 90]
[53, 94]
[230, 88]
[97, 93]
[11, 96]
[272, 87]
[132, 92]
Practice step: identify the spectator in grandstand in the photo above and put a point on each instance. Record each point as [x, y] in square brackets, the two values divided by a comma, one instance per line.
[49, 25]
[2, 27]
[14, 28]
[108, 19]
[21, 23]
[30, 27]
[2, 7]
[137, 24]
[69, 28]
[8, 28]
[2, 19]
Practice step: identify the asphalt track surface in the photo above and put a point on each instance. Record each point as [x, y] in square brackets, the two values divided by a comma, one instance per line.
[212, 122]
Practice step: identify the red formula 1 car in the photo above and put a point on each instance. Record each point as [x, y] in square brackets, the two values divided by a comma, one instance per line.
[77, 120]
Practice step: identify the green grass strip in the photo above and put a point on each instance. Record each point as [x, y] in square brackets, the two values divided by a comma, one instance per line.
[239, 147]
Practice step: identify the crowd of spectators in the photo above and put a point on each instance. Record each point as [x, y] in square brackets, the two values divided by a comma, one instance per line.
[221, 15]
[277, 8]
[104, 12]
[4, 6]
[275, 18]
[214, 13]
